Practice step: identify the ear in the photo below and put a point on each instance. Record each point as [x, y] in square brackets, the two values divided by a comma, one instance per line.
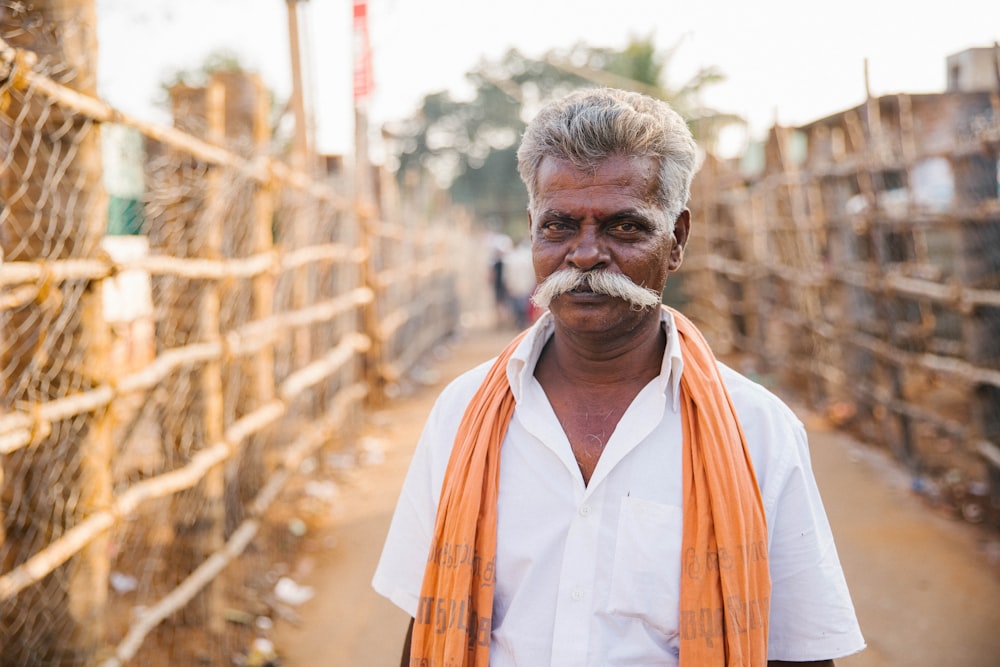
[682, 228]
[531, 226]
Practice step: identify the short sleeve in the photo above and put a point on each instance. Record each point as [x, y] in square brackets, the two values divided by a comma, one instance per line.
[400, 569]
[812, 615]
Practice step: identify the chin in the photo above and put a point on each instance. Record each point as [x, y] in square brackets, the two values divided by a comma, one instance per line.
[583, 319]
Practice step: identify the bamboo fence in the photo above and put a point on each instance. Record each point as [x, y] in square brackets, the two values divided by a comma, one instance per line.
[161, 389]
[857, 260]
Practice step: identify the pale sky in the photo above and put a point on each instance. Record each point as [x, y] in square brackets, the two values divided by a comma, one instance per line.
[792, 61]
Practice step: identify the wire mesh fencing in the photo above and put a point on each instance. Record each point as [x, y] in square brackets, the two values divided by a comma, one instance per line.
[164, 383]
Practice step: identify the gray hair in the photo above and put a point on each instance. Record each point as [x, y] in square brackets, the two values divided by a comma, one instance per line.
[592, 125]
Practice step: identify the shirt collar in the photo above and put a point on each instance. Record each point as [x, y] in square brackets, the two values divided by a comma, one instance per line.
[521, 366]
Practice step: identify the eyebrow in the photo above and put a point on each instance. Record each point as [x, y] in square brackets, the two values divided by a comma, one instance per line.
[617, 215]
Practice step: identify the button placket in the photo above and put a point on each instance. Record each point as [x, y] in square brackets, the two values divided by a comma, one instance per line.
[571, 637]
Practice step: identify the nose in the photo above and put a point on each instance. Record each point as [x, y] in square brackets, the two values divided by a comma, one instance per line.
[588, 252]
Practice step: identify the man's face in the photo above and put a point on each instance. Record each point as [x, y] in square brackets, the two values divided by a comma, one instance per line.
[606, 219]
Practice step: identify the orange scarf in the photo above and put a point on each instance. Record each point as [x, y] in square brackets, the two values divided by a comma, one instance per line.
[725, 587]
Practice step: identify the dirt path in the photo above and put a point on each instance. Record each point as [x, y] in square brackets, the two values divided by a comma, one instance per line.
[926, 593]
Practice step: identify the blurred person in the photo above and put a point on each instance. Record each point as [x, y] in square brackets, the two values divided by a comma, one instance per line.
[519, 276]
[499, 246]
[605, 492]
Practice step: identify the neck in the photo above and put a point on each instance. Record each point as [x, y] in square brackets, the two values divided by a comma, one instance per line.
[608, 358]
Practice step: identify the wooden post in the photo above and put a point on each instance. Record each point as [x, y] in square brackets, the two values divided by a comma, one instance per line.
[246, 227]
[921, 248]
[301, 146]
[58, 343]
[710, 298]
[89, 581]
[302, 160]
[365, 207]
[758, 291]
[263, 241]
[211, 537]
[190, 225]
[365, 213]
[804, 257]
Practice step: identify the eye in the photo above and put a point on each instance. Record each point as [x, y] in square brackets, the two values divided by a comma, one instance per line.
[556, 227]
[627, 227]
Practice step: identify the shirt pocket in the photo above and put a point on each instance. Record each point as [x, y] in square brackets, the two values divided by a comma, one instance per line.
[645, 579]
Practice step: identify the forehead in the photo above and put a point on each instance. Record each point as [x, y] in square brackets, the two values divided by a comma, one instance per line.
[630, 180]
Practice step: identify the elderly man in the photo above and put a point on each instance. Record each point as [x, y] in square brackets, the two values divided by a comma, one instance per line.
[605, 492]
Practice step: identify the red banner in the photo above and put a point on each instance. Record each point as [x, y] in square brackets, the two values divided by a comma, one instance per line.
[363, 80]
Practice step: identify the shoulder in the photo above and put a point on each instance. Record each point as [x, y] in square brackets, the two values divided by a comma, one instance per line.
[452, 402]
[461, 390]
[755, 403]
[776, 438]
[446, 414]
[437, 438]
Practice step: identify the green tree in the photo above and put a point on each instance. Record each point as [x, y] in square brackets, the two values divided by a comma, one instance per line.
[469, 146]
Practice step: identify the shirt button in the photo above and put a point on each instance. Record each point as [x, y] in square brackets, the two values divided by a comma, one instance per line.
[585, 510]
[577, 594]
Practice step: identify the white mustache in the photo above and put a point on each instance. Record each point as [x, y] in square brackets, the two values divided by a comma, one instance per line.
[600, 282]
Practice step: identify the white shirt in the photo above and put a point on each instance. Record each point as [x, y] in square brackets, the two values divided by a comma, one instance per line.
[590, 575]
